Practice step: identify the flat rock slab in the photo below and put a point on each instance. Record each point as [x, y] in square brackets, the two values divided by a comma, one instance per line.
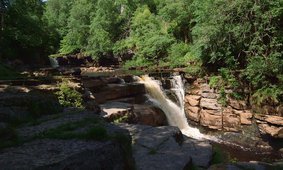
[27, 132]
[165, 148]
[63, 154]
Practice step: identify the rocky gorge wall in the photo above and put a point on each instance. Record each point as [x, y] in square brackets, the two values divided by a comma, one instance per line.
[202, 106]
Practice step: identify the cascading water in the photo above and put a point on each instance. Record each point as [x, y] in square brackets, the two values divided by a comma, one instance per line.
[53, 62]
[175, 114]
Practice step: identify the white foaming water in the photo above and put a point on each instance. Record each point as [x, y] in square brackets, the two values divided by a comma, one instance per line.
[53, 62]
[175, 114]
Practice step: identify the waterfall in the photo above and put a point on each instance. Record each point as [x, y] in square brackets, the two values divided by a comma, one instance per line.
[53, 62]
[175, 114]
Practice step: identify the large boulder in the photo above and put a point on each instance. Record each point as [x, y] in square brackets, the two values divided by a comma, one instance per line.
[166, 148]
[63, 154]
[137, 113]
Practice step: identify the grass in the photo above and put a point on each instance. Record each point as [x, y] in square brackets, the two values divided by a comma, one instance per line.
[94, 130]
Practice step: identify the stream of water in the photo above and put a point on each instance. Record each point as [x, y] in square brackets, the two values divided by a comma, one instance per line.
[175, 114]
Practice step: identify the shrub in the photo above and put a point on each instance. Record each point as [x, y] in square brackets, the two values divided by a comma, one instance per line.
[215, 82]
[267, 95]
[69, 97]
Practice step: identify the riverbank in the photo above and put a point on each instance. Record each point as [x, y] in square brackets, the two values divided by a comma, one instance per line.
[118, 98]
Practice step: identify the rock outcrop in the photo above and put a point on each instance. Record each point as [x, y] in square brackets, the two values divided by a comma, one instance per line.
[202, 106]
[133, 113]
[271, 125]
[63, 154]
[39, 152]
[166, 148]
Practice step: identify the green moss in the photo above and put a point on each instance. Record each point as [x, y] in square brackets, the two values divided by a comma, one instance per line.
[94, 130]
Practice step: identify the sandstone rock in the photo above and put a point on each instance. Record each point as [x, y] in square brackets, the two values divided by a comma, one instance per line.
[210, 95]
[211, 118]
[279, 110]
[161, 148]
[210, 104]
[116, 91]
[237, 104]
[193, 91]
[205, 88]
[273, 131]
[94, 84]
[137, 113]
[231, 121]
[148, 115]
[115, 110]
[245, 117]
[193, 100]
[275, 120]
[193, 113]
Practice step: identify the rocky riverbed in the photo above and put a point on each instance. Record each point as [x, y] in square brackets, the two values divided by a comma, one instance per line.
[118, 119]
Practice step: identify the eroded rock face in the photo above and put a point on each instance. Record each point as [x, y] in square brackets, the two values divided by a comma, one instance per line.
[271, 125]
[166, 148]
[211, 119]
[116, 91]
[134, 113]
[202, 106]
[211, 104]
[193, 113]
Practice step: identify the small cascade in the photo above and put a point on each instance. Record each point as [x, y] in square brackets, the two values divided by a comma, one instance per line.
[175, 114]
[53, 62]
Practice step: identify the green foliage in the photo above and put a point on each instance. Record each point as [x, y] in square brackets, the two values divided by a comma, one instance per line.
[267, 95]
[222, 99]
[177, 55]
[122, 119]
[103, 28]
[57, 13]
[25, 34]
[79, 22]
[94, 131]
[69, 97]
[215, 82]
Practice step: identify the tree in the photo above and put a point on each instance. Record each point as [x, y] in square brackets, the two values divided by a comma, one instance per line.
[26, 35]
[57, 13]
[81, 14]
[104, 28]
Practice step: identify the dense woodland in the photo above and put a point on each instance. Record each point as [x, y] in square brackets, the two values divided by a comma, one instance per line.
[240, 42]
